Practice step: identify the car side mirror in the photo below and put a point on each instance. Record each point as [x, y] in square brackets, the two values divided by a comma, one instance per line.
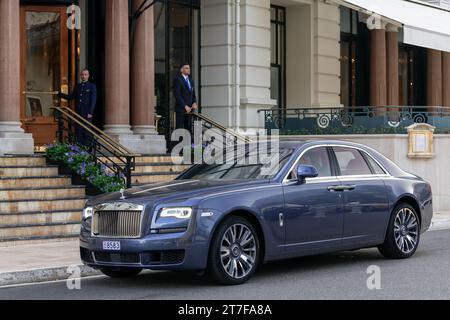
[304, 172]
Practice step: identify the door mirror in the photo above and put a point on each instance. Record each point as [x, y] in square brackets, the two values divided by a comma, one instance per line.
[304, 172]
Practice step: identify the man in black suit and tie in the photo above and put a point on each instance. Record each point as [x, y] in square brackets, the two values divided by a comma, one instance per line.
[186, 100]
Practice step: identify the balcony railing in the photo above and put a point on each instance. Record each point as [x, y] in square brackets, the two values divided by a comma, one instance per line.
[357, 120]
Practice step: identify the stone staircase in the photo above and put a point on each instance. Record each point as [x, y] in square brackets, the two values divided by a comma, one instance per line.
[36, 204]
[155, 169]
[39, 205]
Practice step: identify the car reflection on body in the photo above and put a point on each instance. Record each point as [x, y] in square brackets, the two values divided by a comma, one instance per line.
[228, 219]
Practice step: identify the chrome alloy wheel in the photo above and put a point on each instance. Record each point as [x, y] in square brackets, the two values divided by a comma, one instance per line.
[238, 251]
[406, 230]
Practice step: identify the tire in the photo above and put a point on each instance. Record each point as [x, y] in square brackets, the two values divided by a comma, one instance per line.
[237, 264]
[121, 273]
[403, 233]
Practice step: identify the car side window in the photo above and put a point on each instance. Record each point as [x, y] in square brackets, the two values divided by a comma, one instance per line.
[351, 162]
[375, 166]
[317, 157]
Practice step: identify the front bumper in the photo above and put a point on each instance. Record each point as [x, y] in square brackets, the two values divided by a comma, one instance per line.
[177, 251]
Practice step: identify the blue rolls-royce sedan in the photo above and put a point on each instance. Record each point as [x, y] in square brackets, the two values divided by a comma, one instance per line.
[227, 219]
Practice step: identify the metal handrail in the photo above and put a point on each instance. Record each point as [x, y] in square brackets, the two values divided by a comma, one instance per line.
[221, 127]
[104, 149]
[95, 131]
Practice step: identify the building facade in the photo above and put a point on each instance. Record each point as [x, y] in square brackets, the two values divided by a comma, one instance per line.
[246, 55]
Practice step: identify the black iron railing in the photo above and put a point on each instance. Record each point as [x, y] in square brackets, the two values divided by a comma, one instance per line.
[355, 120]
[105, 150]
[231, 136]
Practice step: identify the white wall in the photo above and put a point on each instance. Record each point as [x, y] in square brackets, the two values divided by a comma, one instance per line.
[255, 63]
[326, 53]
[313, 67]
[219, 62]
[395, 147]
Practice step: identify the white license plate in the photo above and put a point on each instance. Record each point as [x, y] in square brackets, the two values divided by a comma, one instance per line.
[111, 245]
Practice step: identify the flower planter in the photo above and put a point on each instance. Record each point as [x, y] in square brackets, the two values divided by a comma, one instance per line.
[80, 165]
[76, 179]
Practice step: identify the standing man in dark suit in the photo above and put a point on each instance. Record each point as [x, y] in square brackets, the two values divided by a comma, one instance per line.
[186, 100]
[85, 95]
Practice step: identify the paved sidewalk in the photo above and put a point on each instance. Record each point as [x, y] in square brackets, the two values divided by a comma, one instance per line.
[441, 221]
[50, 262]
[40, 262]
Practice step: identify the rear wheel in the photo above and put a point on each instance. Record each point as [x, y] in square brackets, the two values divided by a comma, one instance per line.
[235, 252]
[403, 234]
[121, 272]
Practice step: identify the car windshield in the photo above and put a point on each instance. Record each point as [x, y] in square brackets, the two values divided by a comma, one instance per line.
[240, 168]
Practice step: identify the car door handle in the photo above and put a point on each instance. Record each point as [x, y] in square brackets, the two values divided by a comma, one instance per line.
[341, 188]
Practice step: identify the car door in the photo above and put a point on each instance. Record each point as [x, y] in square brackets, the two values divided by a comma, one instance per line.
[313, 211]
[366, 205]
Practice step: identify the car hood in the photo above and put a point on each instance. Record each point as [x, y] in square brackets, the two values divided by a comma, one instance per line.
[176, 190]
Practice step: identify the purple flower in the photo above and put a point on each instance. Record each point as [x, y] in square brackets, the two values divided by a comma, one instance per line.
[75, 148]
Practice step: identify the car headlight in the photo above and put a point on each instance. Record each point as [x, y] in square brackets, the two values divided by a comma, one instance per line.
[88, 212]
[178, 213]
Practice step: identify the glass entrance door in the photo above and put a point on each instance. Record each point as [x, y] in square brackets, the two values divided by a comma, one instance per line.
[177, 41]
[44, 55]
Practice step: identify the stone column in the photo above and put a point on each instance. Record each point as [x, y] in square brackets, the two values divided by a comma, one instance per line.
[446, 79]
[434, 78]
[13, 140]
[117, 71]
[393, 90]
[143, 84]
[378, 72]
[393, 93]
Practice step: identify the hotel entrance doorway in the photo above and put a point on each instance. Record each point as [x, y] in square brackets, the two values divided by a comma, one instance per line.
[45, 68]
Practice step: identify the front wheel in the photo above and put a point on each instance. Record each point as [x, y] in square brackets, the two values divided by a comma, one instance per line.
[121, 272]
[235, 252]
[403, 234]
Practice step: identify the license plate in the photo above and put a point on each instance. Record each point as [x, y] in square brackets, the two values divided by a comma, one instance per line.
[111, 245]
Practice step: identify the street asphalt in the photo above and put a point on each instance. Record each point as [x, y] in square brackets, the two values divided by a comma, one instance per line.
[334, 276]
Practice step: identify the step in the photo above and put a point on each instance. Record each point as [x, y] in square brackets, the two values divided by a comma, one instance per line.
[25, 206]
[35, 182]
[28, 171]
[42, 193]
[53, 230]
[40, 218]
[149, 159]
[159, 168]
[142, 179]
[7, 161]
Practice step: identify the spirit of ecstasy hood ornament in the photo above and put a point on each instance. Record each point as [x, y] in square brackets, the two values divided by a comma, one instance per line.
[122, 192]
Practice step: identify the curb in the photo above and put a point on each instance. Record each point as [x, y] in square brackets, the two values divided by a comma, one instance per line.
[46, 274]
[440, 224]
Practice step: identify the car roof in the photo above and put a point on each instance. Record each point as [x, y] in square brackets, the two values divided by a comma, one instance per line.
[296, 144]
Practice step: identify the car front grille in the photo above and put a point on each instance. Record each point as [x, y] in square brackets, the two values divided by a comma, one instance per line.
[117, 224]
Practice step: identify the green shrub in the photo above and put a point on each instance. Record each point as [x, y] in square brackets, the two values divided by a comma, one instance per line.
[83, 163]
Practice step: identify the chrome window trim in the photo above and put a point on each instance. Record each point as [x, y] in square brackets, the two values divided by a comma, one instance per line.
[286, 180]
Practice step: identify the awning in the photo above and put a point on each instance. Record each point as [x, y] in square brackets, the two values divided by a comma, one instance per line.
[423, 25]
